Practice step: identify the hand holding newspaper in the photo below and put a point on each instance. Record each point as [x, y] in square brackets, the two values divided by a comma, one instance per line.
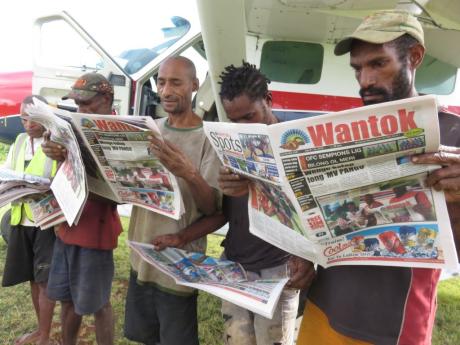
[340, 189]
[115, 159]
[222, 278]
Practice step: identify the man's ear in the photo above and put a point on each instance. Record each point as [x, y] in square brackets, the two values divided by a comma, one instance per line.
[416, 53]
[195, 84]
[268, 99]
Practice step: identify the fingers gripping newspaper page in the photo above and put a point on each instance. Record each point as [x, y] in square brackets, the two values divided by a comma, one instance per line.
[340, 189]
[222, 278]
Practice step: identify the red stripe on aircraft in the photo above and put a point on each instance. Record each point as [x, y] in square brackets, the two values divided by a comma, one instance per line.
[313, 102]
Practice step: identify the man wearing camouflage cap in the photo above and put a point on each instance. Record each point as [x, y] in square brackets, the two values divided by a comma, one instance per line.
[378, 304]
[88, 86]
[82, 268]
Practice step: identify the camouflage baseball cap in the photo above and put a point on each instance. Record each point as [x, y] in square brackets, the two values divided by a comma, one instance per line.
[88, 86]
[382, 27]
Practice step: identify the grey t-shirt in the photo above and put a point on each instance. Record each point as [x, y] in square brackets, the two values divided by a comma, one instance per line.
[145, 225]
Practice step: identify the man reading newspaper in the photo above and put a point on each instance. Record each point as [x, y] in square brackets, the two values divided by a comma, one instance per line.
[246, 99]
[377, 304]
[82, 268]
[157, 309]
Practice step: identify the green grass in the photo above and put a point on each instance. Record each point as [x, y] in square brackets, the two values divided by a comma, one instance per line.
[17, 316]
[446, 331]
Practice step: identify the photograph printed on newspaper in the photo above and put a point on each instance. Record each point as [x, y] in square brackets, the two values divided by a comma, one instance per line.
[340, 189]
[223, 278]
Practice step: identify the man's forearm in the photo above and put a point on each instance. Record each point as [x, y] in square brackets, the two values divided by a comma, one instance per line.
[203, 227]
[203, 194]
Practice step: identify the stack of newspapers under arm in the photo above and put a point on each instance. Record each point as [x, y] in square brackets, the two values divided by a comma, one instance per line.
[222, 278]
[35, 190]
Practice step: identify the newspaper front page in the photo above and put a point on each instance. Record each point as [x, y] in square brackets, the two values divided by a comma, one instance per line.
[222, 278]
[112, 154]
[120, 148]
[340, 189]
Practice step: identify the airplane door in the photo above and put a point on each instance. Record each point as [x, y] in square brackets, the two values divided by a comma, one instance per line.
[64, 51]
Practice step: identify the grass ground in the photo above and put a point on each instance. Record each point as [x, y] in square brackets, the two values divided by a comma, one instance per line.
[17, 316]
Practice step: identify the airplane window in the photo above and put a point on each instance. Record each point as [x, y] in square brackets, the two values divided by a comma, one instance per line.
[71, 51]
[292, 62]
[435, 77]
[137, 58]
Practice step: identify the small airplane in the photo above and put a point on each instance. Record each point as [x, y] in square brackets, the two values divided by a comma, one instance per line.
[291, 41]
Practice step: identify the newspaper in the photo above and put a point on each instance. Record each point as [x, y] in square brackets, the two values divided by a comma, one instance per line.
[46, 211]
[69, 184]
[16, 185]
[340, 189]
[222, 278]
[115, 159]
[120, 147]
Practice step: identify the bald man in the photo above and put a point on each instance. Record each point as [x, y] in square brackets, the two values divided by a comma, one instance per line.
[158, 310]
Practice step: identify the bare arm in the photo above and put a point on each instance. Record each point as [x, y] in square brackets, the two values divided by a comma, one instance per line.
[177, 163]
[200, 228]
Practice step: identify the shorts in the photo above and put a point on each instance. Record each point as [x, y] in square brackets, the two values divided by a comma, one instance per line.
[28, 256]
[243, 327]
[315, 329]
[82, 276]
[153, 316]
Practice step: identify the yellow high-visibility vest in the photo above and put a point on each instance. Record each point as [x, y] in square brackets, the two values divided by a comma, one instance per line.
[40, 165]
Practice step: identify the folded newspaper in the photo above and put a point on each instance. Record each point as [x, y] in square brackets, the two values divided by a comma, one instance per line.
[46, 211]
[111, 154]
[340, 189]
[17, 185]
[222, 278]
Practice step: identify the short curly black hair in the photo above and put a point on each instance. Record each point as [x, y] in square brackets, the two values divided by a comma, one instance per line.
[402, 45]
[246, 79]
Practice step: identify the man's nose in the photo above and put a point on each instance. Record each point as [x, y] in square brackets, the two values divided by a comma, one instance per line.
[366, 78]
[166, 90]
